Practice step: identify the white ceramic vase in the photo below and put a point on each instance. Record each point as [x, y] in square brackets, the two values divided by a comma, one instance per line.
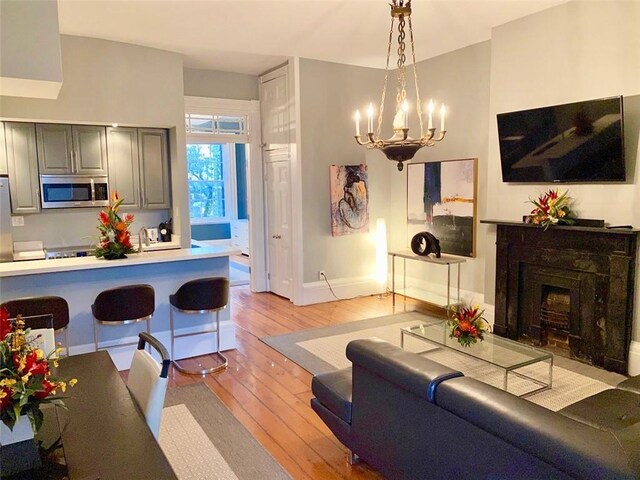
[22, 431]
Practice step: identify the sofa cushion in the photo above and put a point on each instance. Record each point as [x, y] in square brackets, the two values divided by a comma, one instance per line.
[631, 384]
[333, 390]
[611, 410]
[407, 370]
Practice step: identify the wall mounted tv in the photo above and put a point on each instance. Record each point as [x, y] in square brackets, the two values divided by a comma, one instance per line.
[574, 142]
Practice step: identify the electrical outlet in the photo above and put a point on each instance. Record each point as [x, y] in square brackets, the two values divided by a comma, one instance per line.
[17, 221]
[321, 275]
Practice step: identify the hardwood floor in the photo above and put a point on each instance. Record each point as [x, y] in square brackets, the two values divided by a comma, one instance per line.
[270, 395]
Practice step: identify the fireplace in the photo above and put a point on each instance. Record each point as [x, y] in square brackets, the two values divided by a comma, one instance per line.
[567, 287]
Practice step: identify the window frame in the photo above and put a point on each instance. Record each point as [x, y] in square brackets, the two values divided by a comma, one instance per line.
[216, 107]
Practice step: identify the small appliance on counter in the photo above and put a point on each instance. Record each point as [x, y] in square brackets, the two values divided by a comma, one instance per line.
[164, 230]
[33, 250]
[151, 235]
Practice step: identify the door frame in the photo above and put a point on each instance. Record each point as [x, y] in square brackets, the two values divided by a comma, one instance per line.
[255, 190]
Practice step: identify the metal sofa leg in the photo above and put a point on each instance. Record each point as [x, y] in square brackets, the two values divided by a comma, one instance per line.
[352, 458]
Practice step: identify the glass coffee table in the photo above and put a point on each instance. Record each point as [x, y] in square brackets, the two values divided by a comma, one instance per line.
[507, 355]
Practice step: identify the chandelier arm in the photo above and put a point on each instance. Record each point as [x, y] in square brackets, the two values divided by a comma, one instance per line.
[415, 77]
[386, 76]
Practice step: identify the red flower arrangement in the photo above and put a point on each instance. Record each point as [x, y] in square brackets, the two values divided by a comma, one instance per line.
[25, 376]
[115, 239]
[551, 208]
[468, 325]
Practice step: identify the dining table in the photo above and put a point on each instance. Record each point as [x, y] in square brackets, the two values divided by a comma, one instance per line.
[103, 433]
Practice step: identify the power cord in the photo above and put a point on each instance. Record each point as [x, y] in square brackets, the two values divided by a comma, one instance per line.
[380, 295]
[330, 288]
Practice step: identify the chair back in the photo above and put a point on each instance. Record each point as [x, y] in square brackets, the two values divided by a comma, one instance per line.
[147, 381]
[129, 302]
[41, 332]
[35, 306]
[210, 293]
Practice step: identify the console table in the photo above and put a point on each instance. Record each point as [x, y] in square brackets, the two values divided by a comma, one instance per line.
[447, 260]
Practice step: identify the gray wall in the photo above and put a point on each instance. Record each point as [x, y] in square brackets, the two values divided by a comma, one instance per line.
[106, 82]
[329, 95]
[215, 84]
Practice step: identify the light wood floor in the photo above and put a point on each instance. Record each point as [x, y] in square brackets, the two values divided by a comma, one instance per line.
[270, 395]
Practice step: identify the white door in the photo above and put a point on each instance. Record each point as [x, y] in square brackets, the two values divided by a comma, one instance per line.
[278, 188]
[274, 113]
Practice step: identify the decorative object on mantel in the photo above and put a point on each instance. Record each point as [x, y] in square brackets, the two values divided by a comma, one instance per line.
[552, 208]
[115, 238]
[424, 243]
[25, 381]
[401, 147]
[467, 324]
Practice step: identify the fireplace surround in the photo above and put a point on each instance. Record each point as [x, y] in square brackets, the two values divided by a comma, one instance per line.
[567, 282]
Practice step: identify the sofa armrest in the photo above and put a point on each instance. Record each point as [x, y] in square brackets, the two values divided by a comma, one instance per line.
[575, 448]
[407, 370]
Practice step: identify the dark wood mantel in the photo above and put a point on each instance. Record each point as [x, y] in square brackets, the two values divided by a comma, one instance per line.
[598, 263]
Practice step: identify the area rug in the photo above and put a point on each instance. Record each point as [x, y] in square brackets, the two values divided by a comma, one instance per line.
[203, 441]
[323, 349]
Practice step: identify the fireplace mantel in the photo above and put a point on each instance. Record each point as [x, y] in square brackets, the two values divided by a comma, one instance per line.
[601, 264]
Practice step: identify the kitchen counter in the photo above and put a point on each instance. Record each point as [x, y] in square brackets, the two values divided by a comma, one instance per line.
[32, 267]
[80, 279]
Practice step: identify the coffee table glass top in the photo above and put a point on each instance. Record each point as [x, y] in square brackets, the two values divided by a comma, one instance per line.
[499, 351]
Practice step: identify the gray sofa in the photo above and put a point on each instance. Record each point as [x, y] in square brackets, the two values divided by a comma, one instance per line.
[412, 418]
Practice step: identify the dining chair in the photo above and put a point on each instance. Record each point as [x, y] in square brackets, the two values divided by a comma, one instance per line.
[200, 296]
[147, 380]
[41, 332]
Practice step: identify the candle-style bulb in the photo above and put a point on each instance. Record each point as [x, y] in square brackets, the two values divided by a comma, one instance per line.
[443, 110]
[430, 109]
[370, 118]
[357, 123]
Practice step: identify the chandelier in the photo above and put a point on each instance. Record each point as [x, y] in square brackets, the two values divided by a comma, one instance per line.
[401, 147]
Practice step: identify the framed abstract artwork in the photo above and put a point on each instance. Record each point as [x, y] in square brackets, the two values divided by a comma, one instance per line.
[349, 199]
[441, 199]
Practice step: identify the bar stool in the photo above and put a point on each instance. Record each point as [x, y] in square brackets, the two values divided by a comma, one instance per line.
[201, 296]
[37, 306]
[122, 306]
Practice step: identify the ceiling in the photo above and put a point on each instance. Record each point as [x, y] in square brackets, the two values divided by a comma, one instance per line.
[248, 36]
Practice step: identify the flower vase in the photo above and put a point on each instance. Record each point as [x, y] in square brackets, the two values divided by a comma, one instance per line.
[22, 431]
[114, 256]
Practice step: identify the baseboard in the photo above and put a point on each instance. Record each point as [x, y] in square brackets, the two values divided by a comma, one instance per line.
[344, 288]
[634, 359]
[190, 346]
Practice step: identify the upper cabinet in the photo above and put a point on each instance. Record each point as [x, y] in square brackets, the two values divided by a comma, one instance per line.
[3, 151]
[22, 166]
[67, 149]
[124, 166]
[154, 168]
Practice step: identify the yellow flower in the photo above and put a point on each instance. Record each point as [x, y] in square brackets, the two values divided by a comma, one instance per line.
[39, 354]
[73, 382]
[7, 382]
[56, 364]
[25, 378]
[63, 386]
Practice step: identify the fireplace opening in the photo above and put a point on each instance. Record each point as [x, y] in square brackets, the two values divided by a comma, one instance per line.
[555, 311]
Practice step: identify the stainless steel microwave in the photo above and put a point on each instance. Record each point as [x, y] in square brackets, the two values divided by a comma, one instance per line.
[72, 191]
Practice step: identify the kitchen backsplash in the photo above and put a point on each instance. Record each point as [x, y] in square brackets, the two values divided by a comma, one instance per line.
[76, 227]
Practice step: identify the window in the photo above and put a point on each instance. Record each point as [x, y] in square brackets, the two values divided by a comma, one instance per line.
[207, 171]
[217, 132]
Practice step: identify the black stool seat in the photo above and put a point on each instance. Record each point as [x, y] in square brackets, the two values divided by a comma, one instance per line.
[203, 295]
[123, 305]
[38, 306]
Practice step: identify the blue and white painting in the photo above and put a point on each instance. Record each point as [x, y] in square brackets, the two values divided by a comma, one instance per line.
[441, 199]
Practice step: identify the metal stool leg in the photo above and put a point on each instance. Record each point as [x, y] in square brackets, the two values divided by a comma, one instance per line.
[95, 334]
[204, 371]
[171, 328]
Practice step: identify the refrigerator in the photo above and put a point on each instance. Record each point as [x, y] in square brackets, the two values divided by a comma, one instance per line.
[6, 243]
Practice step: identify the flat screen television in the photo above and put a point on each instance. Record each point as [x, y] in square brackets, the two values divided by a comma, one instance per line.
[574, 142]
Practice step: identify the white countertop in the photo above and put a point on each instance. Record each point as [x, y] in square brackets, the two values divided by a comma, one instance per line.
[14, 269]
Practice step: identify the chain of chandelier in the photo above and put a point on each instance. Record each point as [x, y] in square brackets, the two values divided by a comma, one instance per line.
[401, 147]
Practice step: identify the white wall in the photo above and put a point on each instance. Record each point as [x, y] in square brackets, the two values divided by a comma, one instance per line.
[106, 82]
[30, 61]
[576, 51]
[329, 95]
[459, 79]
[216, 84]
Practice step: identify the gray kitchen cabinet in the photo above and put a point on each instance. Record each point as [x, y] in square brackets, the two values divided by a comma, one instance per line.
[3, 151]
[154, 168]
[124, 176]
[22, 166]
[66, 149]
